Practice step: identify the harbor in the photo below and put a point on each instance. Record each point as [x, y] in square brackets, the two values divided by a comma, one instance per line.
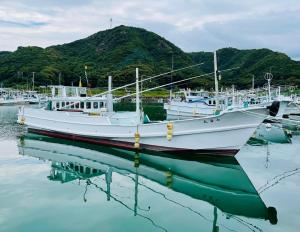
[152, 116]
[216, 159]
[256, 189]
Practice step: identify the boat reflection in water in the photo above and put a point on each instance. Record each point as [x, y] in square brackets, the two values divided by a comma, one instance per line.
[220, 181]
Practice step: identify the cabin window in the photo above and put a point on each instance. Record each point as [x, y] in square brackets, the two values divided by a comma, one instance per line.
[67, 103]
[77, 105]
[57, 105]
[214, 102]
[81, 169]
[95, 105]
[72, 105]
[94, 171]
[209, 102]
[87, 170]
[76, 168]
[82, 105]
[63, 104]
[101, 104]
[88, 105]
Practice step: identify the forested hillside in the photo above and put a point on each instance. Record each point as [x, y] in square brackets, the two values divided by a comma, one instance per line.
[119, 50]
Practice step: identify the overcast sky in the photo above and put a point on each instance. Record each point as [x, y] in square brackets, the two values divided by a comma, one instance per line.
[192, 25]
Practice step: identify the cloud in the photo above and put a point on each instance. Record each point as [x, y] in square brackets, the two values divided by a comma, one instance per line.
[192, 25]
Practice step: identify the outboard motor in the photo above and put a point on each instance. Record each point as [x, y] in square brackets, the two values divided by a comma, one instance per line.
[274, 108]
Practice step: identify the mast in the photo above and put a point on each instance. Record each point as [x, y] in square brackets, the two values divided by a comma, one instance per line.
[268, 77]
[216, 79]
[137, 96]
[109, 95]
[172, 67]
[253, 82]
[233, 96]
[215, 225]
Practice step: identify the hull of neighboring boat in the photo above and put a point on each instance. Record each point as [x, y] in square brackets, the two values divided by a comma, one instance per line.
[290, 124]
[12, 102]
[295, 116]
[272, 132]
[225, 133]
[184, 110]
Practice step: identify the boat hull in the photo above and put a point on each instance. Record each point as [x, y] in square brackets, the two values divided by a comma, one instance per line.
[225, 133]
[130, 146]
[272, 132]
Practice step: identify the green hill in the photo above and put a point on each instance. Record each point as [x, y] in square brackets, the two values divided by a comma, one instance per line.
[119, 50]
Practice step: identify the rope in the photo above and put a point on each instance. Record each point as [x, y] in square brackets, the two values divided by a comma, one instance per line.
[278, 178]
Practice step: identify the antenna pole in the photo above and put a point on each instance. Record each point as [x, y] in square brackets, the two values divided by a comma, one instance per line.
[268, 77]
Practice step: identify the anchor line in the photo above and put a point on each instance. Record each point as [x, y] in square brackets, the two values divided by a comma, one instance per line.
[247, 224]
[274, 181]
[184, 206]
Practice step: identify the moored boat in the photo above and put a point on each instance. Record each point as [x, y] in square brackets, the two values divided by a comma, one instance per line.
[223, 133]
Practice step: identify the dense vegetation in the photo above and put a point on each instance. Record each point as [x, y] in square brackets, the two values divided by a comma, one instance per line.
[118, 51]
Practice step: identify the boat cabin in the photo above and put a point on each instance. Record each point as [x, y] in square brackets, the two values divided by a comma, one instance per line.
[71, 98]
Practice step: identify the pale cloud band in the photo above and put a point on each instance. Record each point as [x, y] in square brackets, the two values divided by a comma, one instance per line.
[193, 25]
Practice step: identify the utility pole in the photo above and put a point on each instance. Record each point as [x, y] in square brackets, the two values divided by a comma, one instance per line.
[59, 78]
[33, 73]
[86, 77]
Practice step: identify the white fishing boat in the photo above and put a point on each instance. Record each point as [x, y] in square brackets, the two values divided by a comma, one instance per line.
[193, 104]
[202, 103]
[223, 133]
[11, 97]
[17, 97]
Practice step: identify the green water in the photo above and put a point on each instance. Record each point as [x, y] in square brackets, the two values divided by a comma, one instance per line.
[49, 184]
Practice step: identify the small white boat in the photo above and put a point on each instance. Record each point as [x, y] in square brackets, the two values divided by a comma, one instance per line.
[11, 97]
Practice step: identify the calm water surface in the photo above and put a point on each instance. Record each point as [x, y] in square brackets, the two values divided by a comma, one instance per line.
[48, 184]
